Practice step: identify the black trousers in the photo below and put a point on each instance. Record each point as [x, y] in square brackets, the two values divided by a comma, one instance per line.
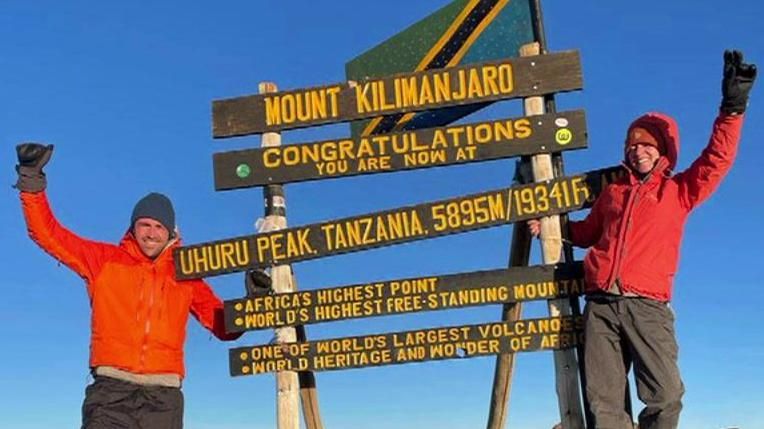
[116, 404]
[618, 333]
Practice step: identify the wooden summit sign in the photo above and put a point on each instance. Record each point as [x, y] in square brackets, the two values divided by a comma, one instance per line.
[453, 144]
[405, 296]
[401, 93]
[410, 346]
[455, 215]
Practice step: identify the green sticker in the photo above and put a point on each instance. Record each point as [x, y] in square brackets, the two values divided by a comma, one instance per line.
[243, 171]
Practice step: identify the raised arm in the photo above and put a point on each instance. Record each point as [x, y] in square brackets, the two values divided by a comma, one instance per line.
[81, 255]
[699, 181]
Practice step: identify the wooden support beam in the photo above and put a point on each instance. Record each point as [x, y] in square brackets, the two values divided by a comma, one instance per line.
[566, 364]
[505, 363]
[287, 382]
[308, 391]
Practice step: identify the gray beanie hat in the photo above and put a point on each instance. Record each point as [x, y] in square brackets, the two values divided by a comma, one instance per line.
[155, 206]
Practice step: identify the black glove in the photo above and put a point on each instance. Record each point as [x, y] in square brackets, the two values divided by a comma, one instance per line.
[257, 283]
[737, 82]
[32, 158]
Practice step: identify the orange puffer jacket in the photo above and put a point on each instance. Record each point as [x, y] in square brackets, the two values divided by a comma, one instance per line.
[635, 227]
[139, 310]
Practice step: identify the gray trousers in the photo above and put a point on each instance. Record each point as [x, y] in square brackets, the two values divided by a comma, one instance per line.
[620, 332]
[116, 404]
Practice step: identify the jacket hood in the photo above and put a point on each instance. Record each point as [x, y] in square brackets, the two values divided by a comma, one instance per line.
[665, 126]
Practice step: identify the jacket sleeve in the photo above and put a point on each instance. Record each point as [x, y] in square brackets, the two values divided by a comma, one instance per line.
[698, 182]
[208, 310]
[585, 233]
[83, 256]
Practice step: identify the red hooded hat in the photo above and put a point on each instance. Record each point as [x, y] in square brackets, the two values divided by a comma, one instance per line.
[659, 130]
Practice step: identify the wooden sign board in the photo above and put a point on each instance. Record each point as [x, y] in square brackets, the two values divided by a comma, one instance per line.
[454, 144]
[405, 296]
[411, 346]
[462, 32]
[401, 225]
[402, 93]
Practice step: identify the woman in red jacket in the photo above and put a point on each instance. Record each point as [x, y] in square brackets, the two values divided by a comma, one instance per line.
[633, 233]
[139, 311]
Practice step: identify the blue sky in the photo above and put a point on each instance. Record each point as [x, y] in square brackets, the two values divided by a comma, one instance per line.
[124, 89]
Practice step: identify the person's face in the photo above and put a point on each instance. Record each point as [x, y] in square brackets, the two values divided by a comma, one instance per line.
[151, 235]
[642, 157]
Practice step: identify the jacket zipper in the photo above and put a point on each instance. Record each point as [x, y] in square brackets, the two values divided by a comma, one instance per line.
[147, 325]
[620, 248]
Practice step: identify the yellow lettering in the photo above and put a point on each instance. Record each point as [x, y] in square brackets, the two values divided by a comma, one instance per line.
[268, 157]
[361, 97]
[490, 74]
[523, 128]
[263, 244]
[334, 104]
[409, 93]
[288, 110]
[425, 92]
[475, 89]
[461, 94]
[506, 79]
[442, 87]
[272, 110]
[439, 139]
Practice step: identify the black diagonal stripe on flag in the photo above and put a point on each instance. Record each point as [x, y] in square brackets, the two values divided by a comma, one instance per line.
[446, 53]
[466, 28]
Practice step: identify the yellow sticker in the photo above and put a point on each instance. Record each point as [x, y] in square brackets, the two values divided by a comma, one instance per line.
[563, 136]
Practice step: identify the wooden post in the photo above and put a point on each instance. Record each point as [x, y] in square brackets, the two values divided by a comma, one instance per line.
[505, 363]
[540, 36]
[287, 383]
[566, 365]
[567, 251]
[308, 391]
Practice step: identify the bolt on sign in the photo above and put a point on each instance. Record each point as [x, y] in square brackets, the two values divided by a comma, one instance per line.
[410, 346]
[401, 93]
[382, 153]
[405, 296]
[434, 219]
[462, 32]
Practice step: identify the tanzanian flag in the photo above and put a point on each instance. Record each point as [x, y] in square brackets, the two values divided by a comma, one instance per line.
[462, 32]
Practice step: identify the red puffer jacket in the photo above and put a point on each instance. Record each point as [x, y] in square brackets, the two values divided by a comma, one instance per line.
[139, 310]
[635, 227]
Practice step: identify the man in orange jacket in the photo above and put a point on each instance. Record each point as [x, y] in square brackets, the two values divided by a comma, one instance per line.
[139, 310]
[633, 233]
